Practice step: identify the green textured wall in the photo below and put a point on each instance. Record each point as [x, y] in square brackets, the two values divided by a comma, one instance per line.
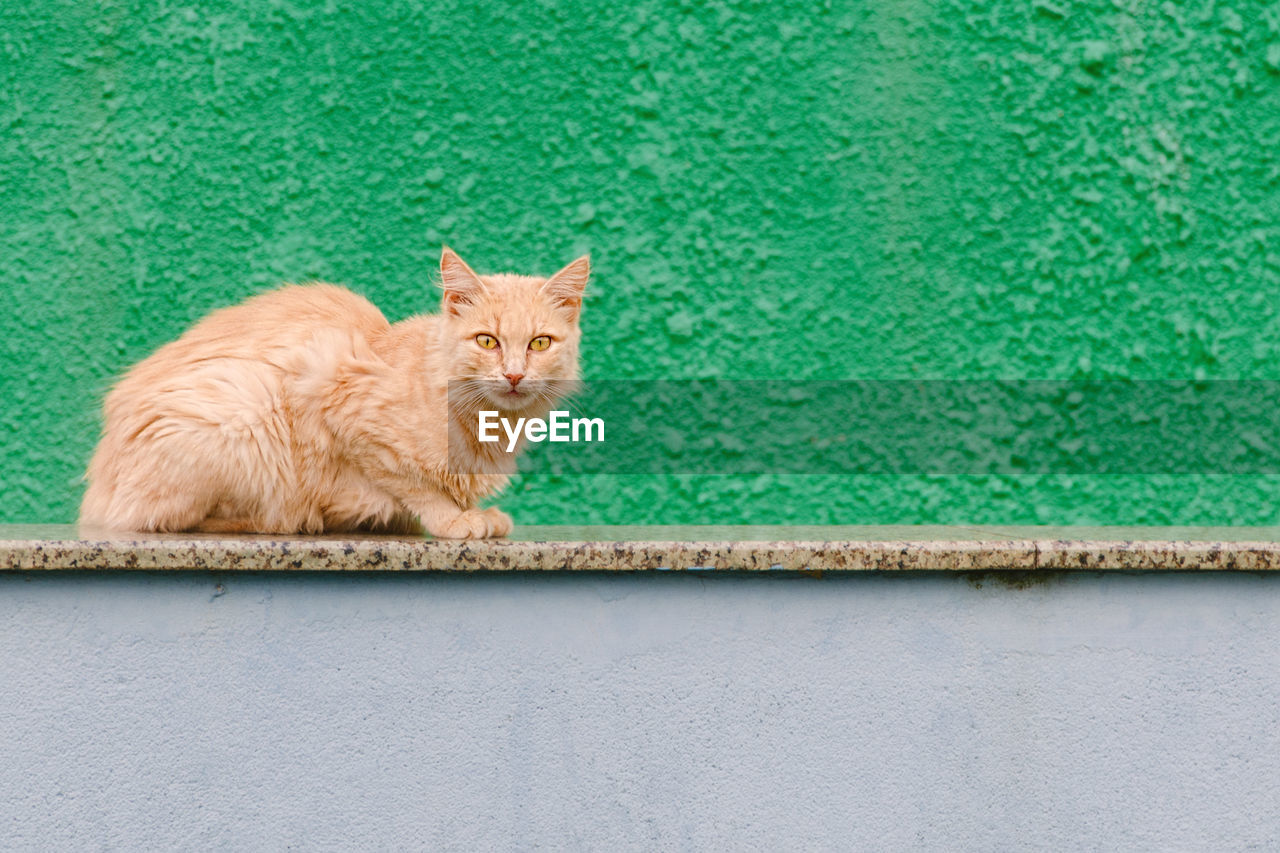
[889, 189]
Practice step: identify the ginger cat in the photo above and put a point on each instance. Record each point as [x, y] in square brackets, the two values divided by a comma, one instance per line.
[303, 410]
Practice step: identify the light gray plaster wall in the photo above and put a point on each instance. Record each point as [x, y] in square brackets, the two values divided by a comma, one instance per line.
[638, 712]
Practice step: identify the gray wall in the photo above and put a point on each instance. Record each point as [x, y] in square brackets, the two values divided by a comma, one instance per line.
[639, 711]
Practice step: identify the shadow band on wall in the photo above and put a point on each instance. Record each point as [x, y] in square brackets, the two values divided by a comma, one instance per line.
[925, 427]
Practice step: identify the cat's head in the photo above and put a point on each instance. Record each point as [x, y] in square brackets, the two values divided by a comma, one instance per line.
[512, 339]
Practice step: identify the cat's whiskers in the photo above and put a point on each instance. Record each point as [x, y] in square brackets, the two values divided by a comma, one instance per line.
[468, 394]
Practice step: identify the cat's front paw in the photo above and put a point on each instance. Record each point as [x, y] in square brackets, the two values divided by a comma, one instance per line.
[499, 522]
[474, 524]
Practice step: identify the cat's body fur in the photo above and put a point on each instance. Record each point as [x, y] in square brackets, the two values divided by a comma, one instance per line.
[303, 410]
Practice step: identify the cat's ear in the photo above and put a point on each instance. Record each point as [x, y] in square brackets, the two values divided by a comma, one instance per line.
[565, 287]
[460, 283]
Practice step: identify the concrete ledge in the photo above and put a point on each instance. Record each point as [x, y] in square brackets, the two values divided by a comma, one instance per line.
[626, 549]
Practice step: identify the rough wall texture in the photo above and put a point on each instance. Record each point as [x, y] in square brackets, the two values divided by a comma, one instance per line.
[647, 712]
[928, 188]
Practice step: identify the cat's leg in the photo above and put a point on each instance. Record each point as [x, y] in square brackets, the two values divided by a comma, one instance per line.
[155, 506]
[441, 515]
[444, 519]
[161, 484]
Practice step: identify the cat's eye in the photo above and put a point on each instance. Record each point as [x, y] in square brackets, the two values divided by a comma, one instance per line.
[540, 343]
[487, 341]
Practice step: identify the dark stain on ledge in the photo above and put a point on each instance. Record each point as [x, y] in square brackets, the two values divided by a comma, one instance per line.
[1014, 579]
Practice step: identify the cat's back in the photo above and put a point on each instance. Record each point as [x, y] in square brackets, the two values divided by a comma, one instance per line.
[280, 319]
[269, 329]
[231, 368]
[301, 305]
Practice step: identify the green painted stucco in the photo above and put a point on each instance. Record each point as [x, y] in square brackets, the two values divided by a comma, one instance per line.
[891, 189]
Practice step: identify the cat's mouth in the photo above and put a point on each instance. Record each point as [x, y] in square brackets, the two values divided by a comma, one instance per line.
[513, 393]
[511, 397]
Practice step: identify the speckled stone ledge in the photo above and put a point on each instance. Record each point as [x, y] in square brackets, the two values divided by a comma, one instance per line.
[625, 549]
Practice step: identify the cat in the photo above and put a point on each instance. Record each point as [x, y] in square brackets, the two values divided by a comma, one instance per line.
[302, 410]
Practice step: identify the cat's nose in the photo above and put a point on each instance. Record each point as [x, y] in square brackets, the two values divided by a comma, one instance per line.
[514, 378]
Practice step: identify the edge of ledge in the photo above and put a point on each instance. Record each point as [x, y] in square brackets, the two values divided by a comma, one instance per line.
[980, 553]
